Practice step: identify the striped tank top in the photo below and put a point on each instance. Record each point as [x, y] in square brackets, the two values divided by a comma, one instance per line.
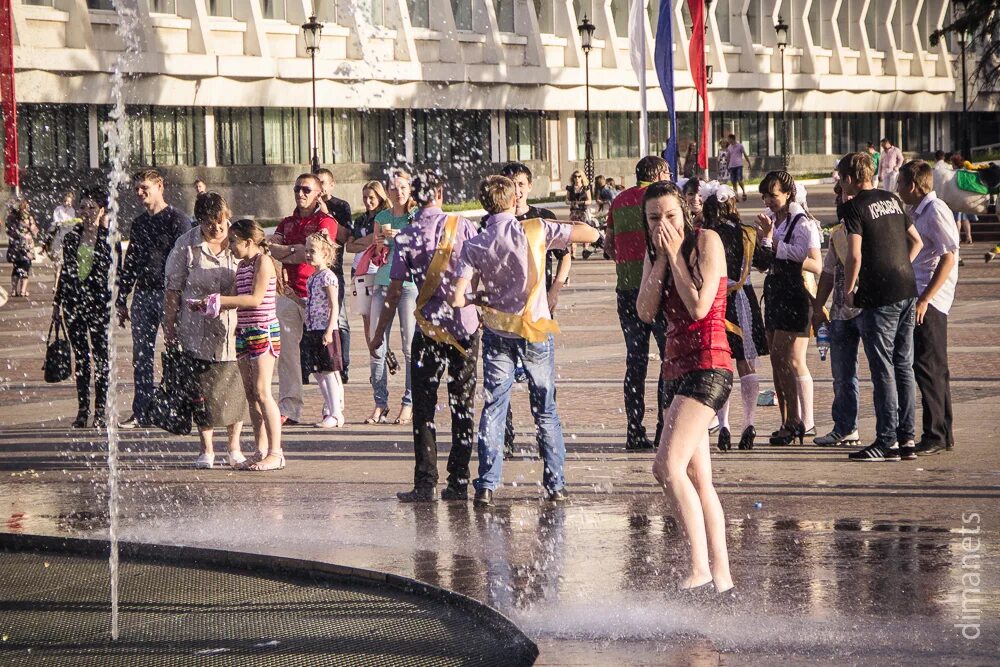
[262, 315]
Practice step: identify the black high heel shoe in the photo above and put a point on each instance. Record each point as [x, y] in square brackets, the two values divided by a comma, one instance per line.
[786, 435]
[725, 440]
[747, 438]
[81, 420]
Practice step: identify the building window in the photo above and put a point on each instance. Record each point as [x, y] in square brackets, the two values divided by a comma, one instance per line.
[755, 17]
[239, 136]
[347, 136]
[451, 136]
[273, 9]
[750, 128]
[420, 13]
[53, 136]
[40, 3]
[220, 8]
[159, 135]
[854, 131]
[163, 6]
[505, 14]
[462, 11]
[619, 12]
[876, 34]
[526, 135]
[583, 8]
[101, 4]
[326, 11]
[615, 134]
[286, 136]
[723, 21]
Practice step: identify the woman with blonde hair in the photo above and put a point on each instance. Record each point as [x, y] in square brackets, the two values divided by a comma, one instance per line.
[388, 222]
[362, 240]
[578, 196]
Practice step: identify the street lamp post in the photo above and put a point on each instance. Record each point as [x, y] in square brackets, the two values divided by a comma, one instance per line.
[312, 31]
[781, 33]
[586, 29]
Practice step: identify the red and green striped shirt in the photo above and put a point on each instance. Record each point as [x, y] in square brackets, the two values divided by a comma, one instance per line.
[625, 219]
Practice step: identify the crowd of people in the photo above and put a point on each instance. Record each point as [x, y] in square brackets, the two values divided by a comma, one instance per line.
[240, 305]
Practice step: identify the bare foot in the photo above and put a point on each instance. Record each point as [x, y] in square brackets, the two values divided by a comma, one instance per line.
[273, 461]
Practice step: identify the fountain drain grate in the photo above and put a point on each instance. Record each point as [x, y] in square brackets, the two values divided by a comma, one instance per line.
[54, 609]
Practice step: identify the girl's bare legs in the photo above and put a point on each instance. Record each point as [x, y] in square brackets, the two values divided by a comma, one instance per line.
[685, 430]
[256, 415]
[205, 440]
[776, 375]
[261, 372]
[233, 431]
[700, 472]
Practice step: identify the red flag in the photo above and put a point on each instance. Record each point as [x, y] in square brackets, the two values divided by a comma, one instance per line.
[8, 101]
[696, 55]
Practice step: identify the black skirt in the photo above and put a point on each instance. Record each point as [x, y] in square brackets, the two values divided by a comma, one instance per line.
[787, 304]
[319, 358]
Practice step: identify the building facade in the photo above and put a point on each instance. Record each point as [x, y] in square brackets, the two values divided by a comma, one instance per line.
[222, 88]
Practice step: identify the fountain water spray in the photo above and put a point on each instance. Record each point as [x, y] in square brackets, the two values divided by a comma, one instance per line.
[117, 144]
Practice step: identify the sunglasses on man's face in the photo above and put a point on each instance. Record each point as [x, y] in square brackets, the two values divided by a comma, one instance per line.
[304, 189]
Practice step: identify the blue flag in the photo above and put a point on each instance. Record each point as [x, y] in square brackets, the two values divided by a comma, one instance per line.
[663, 60]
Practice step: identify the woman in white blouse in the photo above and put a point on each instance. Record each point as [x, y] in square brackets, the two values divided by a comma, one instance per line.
[794, 238]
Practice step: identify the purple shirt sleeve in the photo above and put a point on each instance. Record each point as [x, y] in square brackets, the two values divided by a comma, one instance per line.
[466, 261]
[556, 235]
[400, 269]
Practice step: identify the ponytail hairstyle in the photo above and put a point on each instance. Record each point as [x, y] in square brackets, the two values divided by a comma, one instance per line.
[328, 245]
[716, 212]
[689, 248]
[250, 230]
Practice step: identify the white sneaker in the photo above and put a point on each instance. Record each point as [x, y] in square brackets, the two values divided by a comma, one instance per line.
[205, 462]
[833, 439]
[236, 460]
[329, 422]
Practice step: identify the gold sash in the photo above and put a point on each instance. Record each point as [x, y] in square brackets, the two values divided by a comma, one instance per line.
[435, 273]
[521, 323]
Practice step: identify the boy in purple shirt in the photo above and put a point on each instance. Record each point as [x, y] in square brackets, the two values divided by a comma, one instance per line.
[427, 252]
[505, 264]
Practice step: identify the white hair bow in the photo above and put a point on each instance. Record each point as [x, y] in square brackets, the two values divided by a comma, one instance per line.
[720, 191]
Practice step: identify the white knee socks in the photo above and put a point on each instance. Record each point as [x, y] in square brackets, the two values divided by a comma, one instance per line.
[749, 388]
[723, 416]
[333, 393]
[805, 387]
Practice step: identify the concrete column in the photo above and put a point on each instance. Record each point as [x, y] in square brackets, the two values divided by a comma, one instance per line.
[770, 134]
[571, 137]
[495, 136]
[408, 134]
[210, 137]
[93, 137]
[828, 131]
[502, 136]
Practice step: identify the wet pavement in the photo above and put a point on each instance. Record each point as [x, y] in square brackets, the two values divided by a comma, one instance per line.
[836, 562]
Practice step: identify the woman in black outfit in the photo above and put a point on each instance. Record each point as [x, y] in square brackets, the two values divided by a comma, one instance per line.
[84, 294]
[744, 323]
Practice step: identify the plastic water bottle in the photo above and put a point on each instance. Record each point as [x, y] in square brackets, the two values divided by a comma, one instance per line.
[823, 341]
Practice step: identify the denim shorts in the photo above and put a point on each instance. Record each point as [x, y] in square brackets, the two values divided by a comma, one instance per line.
[708, 387]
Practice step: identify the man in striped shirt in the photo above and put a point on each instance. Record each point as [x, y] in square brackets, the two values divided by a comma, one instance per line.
[625, 243]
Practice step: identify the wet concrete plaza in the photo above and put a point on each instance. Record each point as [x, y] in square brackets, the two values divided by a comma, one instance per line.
[837, 562]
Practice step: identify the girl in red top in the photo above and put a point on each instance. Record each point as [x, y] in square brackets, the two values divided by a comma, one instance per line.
[685, 276]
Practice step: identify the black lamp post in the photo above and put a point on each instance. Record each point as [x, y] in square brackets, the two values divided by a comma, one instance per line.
[586, 29]
[312, 31]
[781, 33]
[963, 39]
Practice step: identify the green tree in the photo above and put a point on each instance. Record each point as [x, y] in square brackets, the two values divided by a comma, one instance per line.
[980, 20]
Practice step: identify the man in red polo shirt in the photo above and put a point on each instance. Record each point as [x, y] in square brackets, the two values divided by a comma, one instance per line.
[625, 243]
[288, 247]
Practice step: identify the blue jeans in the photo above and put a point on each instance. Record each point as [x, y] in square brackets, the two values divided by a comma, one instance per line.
[845, 336]
[887, 333]
[500, 356]
[146, 315]
[406, 312]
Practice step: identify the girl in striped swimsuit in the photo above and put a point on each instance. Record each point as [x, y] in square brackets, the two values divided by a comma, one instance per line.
[258, 337]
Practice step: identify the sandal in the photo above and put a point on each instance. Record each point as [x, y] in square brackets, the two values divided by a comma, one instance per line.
[380, 416]
[405, 415]
[264, 466]
[256, 457]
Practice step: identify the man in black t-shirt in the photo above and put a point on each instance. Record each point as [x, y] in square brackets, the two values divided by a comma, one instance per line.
[879, 279]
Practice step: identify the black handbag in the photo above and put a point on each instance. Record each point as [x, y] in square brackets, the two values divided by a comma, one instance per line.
[58, 354]
[172, 405]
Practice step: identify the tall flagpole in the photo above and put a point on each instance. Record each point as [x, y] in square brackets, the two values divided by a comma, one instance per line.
[644, 115]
